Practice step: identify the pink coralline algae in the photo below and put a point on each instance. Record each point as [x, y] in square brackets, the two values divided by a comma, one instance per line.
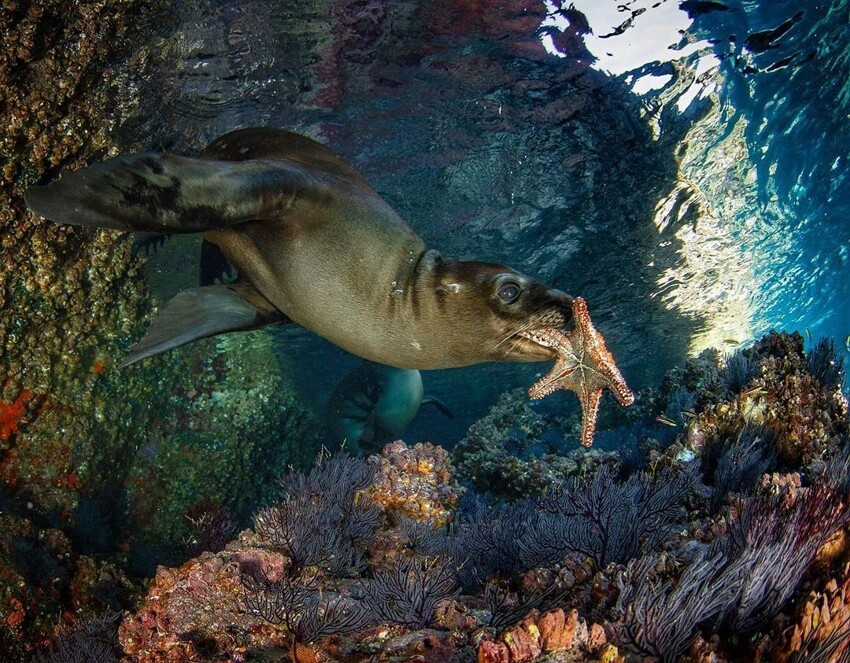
[204, 596]
[554, 631]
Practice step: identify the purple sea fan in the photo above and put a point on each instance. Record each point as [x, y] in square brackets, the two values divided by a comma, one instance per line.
[775, 545]
[297, 603]
[660, 617]
[741, 583]
[322, 521]
[408, 592]
[611, 521]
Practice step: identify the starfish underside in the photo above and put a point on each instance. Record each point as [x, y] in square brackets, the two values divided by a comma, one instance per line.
[583, 365]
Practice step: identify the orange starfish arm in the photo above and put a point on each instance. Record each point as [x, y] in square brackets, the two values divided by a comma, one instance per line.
[589, 410]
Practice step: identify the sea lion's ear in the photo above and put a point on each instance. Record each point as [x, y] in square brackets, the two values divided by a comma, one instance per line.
[200, 312]
[449, 288]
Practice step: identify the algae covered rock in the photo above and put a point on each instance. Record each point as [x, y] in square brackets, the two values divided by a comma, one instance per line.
[118, 461]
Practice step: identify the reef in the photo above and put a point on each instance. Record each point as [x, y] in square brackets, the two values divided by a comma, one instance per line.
[514, 451]
[675, 558]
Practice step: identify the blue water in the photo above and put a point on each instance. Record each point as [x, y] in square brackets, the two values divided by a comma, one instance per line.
[681, 166]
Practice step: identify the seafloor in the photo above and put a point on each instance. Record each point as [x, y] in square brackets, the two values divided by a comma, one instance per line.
[721, 535]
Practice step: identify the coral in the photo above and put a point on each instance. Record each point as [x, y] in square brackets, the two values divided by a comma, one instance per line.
[486, 542]
[718, 585]
[805, 418]
[740, 368]
[775, 544]
[214, 527]
[697, 375]
[429, 490]
[300, 573]
[534, 592]
[423, 537]
[323, 520]
[295, 602]
[735, 466]
[822, 628]
[495, 455]
[659, 617]
[540, 634]
[742, 581]
[198, 607]
[94, 641]
[11, 413]
[408, 593]
[826, 365]
[611, 521]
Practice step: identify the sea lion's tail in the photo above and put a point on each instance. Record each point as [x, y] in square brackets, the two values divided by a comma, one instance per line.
[166, 194]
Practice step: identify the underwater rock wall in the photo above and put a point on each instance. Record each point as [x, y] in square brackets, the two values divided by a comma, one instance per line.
[105, 472]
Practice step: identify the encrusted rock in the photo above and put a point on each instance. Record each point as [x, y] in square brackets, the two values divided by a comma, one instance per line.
[537, 635]
[418, 482]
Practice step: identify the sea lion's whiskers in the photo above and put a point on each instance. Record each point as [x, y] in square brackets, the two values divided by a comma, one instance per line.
[525, 327]
[513, 335]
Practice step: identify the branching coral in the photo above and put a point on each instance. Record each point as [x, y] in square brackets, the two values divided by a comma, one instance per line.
[739, 369]
[738, 463]
[607, 520]
[775, 545]
[508, 607]
[826, 365]
[321, 520]
[822, 632]
[295, 602]
[487, 542]
[93, 641]
[409, 591]
[785, 396]
[730, 574]
[424, 538]
[741, 582]
[659, 617]
[611, 521]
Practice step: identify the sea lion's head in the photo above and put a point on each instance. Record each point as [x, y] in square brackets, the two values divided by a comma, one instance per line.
[489, 310]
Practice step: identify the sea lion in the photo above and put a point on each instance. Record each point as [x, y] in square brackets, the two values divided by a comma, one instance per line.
[375, 403]
[313, 244]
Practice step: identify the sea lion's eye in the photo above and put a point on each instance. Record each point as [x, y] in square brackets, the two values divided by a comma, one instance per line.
[509, 292]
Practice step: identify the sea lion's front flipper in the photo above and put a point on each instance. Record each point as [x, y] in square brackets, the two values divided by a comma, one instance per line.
[437, 403]
[200, 312]
[161, 193]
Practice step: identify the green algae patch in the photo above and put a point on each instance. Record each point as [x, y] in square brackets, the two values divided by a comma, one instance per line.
[222, 440]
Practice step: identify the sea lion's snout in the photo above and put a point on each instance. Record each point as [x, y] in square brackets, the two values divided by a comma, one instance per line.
[529, 305]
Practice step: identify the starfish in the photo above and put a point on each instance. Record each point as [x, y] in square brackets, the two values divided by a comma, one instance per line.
[583, 365]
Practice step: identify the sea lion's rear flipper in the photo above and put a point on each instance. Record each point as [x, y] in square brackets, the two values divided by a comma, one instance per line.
[437, 403]
[200, 312]
[161, 193]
